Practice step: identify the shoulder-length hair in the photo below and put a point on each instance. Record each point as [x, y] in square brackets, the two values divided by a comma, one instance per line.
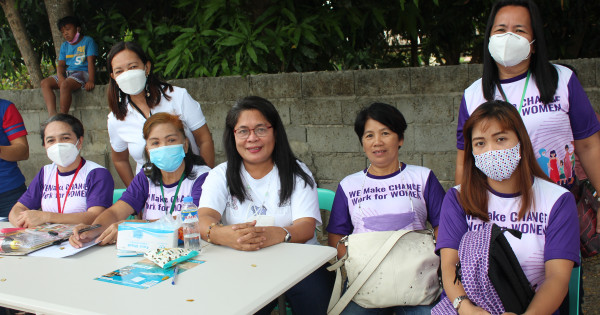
[155, 88]
[190, 159]
[543, 72]
[474, 187]
[282, 155]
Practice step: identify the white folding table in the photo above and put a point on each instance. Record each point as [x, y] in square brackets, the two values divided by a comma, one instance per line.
[229, 282]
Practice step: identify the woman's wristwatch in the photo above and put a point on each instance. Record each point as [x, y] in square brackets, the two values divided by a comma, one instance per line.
[457, 301]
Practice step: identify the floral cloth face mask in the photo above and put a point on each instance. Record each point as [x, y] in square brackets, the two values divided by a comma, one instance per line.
[499, 164]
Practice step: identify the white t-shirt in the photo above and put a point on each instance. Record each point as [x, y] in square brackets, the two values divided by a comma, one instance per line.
[303, 203]
[127, 134]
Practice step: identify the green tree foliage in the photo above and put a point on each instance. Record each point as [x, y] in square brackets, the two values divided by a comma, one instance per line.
[190, 38]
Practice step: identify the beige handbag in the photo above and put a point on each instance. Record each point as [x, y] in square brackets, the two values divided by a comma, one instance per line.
[387, 269]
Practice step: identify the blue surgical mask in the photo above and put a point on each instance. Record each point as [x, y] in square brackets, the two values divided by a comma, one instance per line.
[167, 158]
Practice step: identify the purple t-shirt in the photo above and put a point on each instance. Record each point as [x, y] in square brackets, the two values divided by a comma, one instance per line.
[92, 187]
[405, 199]
[143, 196]
[553, 128]
[550, 230]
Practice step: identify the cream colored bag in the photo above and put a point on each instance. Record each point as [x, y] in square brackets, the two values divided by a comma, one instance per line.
[387, 269]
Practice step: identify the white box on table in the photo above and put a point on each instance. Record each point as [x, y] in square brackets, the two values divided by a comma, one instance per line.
[141, 237]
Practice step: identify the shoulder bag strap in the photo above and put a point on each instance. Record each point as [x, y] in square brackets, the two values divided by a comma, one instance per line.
[336, 307]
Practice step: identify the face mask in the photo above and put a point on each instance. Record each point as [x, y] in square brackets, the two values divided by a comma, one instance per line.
[509, 49]
[63, 154]
[75, 39]
[499, 164]
[167, 158]
[132, 82]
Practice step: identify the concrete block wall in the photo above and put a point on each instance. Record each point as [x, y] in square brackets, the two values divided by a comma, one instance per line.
[318, 110]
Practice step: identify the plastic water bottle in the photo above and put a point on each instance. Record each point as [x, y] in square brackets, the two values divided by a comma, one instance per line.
[189, 217]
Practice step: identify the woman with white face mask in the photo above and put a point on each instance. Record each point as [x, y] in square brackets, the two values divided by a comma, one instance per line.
[172, 173]
[135, 93]
[70, 190]
[503, 184]
[549, 98]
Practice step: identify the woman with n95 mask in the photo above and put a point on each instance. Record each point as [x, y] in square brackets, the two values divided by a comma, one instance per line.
[135, 93]
[549, 97]
[70, 190]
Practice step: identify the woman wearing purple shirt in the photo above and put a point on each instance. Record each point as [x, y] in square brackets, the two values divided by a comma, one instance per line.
[70, 190]
[388, 195]
[503, 184]
[549, 98]
[172, 172]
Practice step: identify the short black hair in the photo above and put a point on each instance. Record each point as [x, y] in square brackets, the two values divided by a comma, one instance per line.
[68, 20]
[386, 114]
[70, 120]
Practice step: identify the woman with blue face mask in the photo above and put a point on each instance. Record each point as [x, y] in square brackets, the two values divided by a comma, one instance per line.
[549, 97]
[171, 173]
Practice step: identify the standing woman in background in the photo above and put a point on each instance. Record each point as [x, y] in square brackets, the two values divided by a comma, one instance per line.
[549, 98]
[134, 94]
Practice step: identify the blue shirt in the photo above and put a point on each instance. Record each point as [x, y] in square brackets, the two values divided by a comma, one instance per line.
[76, 55]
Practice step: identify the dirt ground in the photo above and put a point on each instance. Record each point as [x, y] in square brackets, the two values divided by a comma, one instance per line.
[591, 285]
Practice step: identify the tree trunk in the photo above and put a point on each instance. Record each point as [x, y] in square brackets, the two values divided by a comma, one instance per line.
[414, 52]
[27, 53]
[57, 9]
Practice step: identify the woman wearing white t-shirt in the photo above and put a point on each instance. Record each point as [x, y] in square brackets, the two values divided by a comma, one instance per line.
[263, 196]
[135, 94]
[172, 173]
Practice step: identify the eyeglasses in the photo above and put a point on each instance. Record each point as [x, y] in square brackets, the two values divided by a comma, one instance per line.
[244, 133]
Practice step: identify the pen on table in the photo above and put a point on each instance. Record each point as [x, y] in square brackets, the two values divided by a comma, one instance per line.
[89, 228]
[175, 271]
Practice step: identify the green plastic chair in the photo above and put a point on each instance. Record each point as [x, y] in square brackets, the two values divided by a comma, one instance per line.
[325, 198]
[574, 291]
[117, 194]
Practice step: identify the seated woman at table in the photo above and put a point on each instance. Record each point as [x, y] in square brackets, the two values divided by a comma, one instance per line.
[172, 173]
[262, 181]
[504, 184]
[409, 195]
[70, 190]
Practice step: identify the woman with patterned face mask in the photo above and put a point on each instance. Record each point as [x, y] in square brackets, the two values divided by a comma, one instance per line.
[503, 184]
[172, 172]
[135, 93]
[70, 190]
[549, 98]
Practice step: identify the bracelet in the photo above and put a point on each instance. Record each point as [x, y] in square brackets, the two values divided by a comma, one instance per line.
[209, 229]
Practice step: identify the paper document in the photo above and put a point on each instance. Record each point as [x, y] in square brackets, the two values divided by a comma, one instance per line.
[60, 251]
[144, 273]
